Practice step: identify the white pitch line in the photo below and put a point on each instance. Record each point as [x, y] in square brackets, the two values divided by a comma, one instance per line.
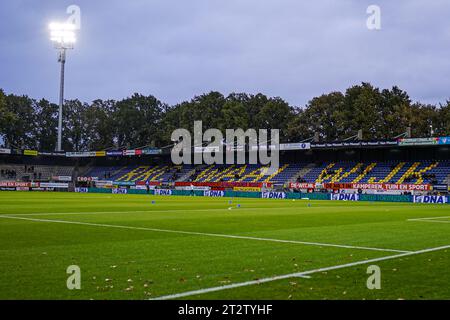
[434, 221]
[431, 218]
[219, 235]
[294, 275]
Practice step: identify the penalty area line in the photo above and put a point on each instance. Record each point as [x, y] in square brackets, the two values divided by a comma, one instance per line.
[294, 275]
[217, 235]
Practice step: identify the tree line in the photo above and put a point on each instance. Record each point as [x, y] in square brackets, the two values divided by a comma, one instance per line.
[140, 120]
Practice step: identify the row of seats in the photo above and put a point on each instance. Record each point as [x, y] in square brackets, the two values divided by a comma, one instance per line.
[417, 172]
[166, 173]
[246, 173]
[212, 173]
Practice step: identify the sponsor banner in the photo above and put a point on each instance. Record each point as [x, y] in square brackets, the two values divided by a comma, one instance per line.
[379, 186]
[103, 184]
[354, 144]
[7, 189]
[5, 151]
[345, 196]
[54, 185]
[198, 188]
[247, 189]
[82, 190]
[225, 184]
[30, 152]
[163, 192]
[418, 141]
[86, 179]
[273, 195]
[263, 147]
[143, 187]
[119, 190]
[151, 151]
[430, 199]
[149, 183]
[124, 183]
[440, 187]
[208, 149]
[82, 154]
[53, 154]
[129, 152]
[238, 148]
[214, 193]
[100, 153]
[444, 140]
[14, 184]
[62, 178]
[295, 146]
[299, 185]
[22, 189]
[115, 153]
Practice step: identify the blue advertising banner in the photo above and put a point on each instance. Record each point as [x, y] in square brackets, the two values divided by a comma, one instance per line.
[113, 153]
[214, 193]
[151, 151]
[345, 196]
[430, 199]
[273, 195]
[444, 140]
[163, 192]
[120, 191]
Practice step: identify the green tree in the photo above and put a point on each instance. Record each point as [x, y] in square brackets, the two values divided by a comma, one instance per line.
[137, 120]
[46, 125]
[324, 115]
[19, 122]
[99, 124]
[74, 126]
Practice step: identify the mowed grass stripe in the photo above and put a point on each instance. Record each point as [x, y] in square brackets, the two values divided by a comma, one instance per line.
[204, 234]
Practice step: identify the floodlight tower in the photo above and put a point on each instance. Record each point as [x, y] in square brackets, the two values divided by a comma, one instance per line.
[64, 38]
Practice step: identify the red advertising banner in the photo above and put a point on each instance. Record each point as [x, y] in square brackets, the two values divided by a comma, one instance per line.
[365, 186]
[300, 185]
[16, 184]
[379, 186]
[151, 183]
[223, 184]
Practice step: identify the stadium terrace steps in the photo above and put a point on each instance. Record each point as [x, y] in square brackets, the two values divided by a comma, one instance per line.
[300, 174]
[447, 180]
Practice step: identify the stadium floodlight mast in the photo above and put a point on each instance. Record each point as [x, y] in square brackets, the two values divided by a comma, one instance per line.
[63, 36]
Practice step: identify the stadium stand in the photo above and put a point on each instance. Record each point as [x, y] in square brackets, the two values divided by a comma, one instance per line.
[246, 173]
[166, 173]
[399, 172]
[18, 172]
[213, 173]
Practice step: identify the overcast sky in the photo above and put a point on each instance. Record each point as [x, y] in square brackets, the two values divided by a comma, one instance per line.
[177, 49]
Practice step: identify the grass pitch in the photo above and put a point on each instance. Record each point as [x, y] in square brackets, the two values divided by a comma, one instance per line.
[180, 247]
